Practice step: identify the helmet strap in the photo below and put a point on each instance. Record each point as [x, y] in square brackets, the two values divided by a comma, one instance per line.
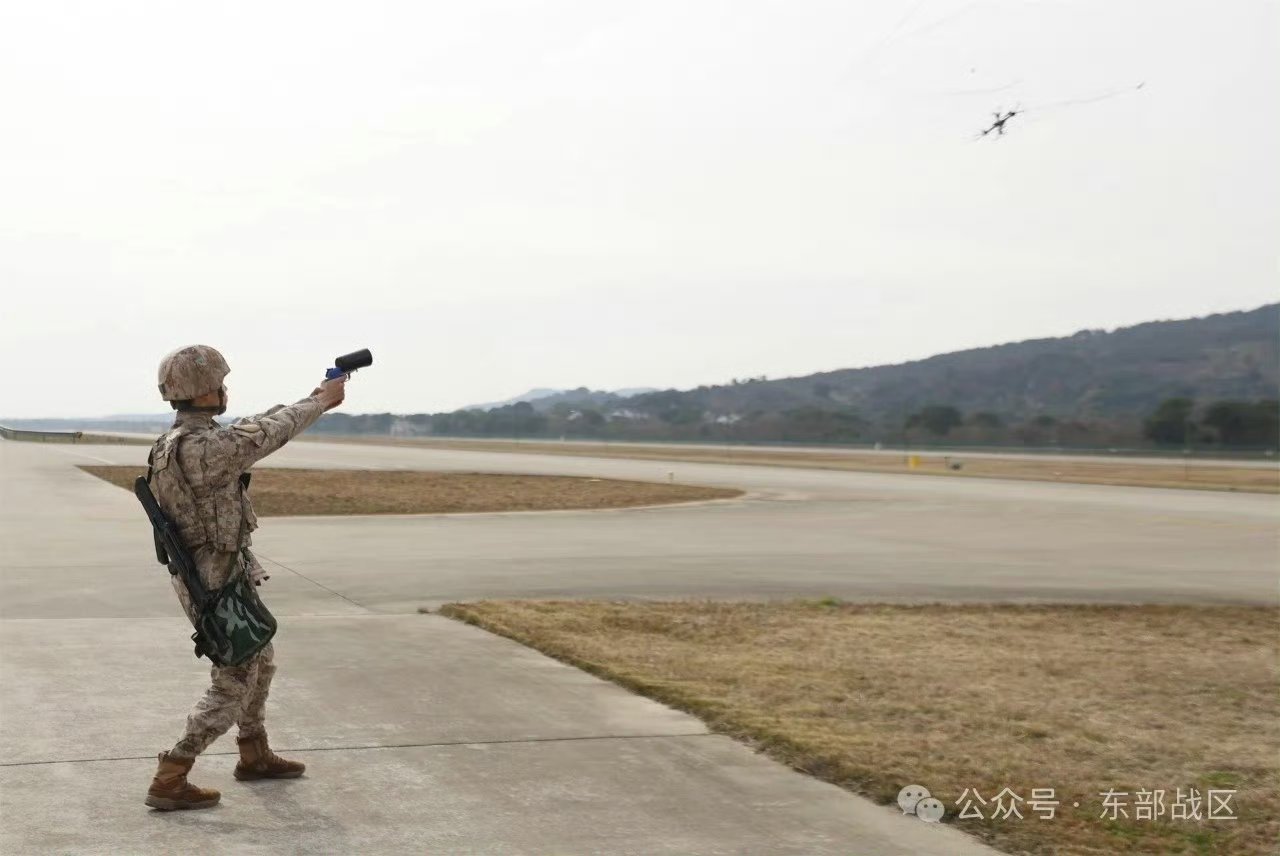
[220, 409]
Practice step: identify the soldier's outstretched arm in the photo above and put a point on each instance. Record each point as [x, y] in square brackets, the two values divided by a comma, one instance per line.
[259, 436]
[255, 417]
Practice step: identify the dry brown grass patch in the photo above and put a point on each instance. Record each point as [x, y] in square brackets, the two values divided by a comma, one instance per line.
[278, 492]
[1078, 698]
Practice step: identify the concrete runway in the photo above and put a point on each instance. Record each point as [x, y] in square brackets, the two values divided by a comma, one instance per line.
[798, 532]
[422, 734]
[1250, 461]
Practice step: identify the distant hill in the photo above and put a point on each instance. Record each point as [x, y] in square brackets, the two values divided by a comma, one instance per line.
[1210, 382]
[1090, 375]
[530, 396]
[544, 400]
[118, 424]
[140, 417]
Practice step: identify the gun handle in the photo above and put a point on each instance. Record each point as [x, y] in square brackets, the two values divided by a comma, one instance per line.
[335, 373]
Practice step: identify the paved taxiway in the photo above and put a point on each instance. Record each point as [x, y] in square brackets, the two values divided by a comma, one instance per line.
[426, 735]
[798, 532]
[421, 735]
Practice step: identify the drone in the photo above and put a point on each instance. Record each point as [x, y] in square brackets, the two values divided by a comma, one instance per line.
[998, 124]
[1000, 117]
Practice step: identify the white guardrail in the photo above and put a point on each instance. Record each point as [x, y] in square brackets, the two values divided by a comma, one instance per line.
[40, 436]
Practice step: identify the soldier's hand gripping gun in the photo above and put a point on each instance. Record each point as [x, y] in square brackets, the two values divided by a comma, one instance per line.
[344, 365]
[169, 547]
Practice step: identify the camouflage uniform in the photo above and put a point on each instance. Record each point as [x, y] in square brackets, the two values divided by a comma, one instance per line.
[196, 470]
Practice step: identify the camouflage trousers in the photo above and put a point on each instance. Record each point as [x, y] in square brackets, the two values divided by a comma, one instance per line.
[238, 694]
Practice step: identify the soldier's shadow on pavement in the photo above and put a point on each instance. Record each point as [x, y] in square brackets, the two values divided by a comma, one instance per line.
[275, 804]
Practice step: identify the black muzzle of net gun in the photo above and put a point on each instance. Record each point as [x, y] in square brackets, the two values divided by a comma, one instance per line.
[344, 365]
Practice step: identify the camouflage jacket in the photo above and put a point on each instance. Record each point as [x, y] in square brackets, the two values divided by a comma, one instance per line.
[195, 476]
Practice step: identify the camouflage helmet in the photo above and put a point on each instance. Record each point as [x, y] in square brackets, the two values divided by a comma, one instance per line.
[191, 372]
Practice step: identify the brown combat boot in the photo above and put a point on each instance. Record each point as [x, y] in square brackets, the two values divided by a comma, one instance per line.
[257, 761]
[170, 789]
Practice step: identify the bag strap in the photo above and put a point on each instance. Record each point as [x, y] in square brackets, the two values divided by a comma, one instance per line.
[241, 559]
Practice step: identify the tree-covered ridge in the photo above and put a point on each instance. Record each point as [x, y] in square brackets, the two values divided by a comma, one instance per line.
[1094, 388]
[1093, 374]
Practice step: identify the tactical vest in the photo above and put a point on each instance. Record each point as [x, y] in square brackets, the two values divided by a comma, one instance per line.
[203, 513]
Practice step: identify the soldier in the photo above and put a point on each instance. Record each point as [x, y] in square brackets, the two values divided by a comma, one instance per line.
[195, 475]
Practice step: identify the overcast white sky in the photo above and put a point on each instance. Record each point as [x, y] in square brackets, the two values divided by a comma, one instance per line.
[499, 195]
